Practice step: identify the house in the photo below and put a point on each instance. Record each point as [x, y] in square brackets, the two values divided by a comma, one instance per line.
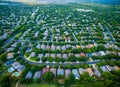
[24, 34]
[30, 45]
[36, 34]
[105, 35]
[47, 55]
[43, 47]
[96, 72]
[47, 47]
[37, 75]
[116, 47]
[10, 49]
[38, 46]
[53, 70]
[57, 30]
[107, 52]
[89, 46]
[60, 71]
[32, 54]
[28, 49]
[20, 68]
[102, 53]
[60, 37]
[69, 39]
[67, 73]
[59, 55]
[14, 45]
[66, 33]
[81, 70]
[89, 55]
[68, 46]
[29, 75]
[70, 54]
[77, 46]
[75, 73]
[73, 47]
[40, 55]
[115, 53]
[116, 68]
[44, 70]
[106, 46]
[8, 63]
[103, 68]
[4, 36]
[63, 47]
[53, 55]
[53, 47]
[45, 33]
[77, 55]
[82, 46]
[82, 54]
[94, 54]
[15, 65]
[109, 68]
[65, 56]
[10, 55]
[98, 53]
[89, 70]
[58, 47]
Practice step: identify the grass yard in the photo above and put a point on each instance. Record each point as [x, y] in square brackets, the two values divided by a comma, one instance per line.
[37, 85]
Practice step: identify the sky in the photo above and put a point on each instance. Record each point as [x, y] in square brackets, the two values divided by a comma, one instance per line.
[43, 1]
[65, 1]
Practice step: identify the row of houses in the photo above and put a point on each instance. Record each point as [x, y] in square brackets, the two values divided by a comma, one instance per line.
[102, 53]
[18, 68]
[66, 72]
[67, 55]
[53, 47]
[56, 72]
[59, 55]
[65, 47]
[58, 47]
[58, 37]
[108, 68]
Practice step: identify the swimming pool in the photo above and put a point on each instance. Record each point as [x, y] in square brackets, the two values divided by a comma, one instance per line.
[16, 74]
[11, 69]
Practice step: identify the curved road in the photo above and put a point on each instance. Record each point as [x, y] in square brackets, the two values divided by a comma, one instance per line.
[56, 63]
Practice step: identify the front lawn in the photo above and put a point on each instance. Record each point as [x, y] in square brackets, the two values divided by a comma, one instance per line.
[37, 85]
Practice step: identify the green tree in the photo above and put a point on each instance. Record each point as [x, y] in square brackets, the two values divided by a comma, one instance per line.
[7, 81]
[70, 80]
[48, 76]
[84, 78]
[3, 57]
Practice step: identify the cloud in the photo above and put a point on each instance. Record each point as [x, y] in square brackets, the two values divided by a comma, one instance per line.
[31, 1]
[65, 1]
[43, 1]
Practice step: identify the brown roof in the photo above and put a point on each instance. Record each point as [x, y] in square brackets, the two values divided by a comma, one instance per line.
[89, 70]
[82, 54]
[116, 68]
[10, 55]
[44, 70]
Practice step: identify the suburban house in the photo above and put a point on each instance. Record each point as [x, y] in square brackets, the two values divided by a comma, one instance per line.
[89, 70]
